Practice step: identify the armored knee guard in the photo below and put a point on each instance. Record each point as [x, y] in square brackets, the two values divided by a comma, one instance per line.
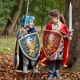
[25, 65]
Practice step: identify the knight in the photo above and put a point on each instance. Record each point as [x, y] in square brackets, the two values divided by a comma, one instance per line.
[27, 47]
[55, 44]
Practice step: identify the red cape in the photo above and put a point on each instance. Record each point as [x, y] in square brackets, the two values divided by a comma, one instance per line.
[64, 30]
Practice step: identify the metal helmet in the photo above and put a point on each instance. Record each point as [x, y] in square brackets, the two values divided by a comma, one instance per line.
[26, 20]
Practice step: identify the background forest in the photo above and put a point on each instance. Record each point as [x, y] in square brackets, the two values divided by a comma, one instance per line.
[11, 12]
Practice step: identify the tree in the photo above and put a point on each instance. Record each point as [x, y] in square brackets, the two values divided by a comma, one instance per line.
[6, 7]
[74, 45]
[40, 9]
[37, 8]
[14, 17]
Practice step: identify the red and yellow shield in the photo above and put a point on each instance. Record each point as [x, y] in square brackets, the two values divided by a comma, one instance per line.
[51, 42]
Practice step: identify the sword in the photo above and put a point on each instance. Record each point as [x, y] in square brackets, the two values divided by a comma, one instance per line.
[27, 12]
[27, 8]
[70, 17]
[70, 22]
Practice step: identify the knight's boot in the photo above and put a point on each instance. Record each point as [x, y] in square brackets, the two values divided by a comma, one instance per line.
[25, 76]
[58, 75]
[36, 73]
[18, 75]
[50, 75]
[25, 72]
[36, 76]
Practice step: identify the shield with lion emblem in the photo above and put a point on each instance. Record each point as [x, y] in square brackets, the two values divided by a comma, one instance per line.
[51, 42]
[30, 45]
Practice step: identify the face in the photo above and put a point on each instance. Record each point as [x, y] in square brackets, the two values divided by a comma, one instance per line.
[31, 24]
[54, 19]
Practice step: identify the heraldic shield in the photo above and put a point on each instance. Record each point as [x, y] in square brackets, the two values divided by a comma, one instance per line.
[30, 45]
[51, 42]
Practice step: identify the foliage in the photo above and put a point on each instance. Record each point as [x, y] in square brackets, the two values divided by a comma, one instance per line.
[38, 8]
[6, 8]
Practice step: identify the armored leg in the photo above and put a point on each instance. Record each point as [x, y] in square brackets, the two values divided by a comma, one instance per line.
[25, 67]
[35, 70]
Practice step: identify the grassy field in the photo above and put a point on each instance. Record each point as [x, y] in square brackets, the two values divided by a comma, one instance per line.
[7, 44]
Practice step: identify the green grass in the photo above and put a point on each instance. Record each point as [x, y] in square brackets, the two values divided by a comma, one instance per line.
[7, 44]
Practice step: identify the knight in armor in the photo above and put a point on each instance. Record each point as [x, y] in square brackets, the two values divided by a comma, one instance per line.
[57, 24]
[23, 63]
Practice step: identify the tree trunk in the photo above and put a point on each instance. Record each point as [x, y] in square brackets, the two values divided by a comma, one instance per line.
[15, 15]
[43, 12]
[42, 23]
[74, 45]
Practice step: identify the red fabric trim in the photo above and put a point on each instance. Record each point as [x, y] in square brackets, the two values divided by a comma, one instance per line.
[64, 29]
[43, 59]
[66, 50]
[49, 26]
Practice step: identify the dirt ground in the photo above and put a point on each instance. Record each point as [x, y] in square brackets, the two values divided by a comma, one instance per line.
[8, 72]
